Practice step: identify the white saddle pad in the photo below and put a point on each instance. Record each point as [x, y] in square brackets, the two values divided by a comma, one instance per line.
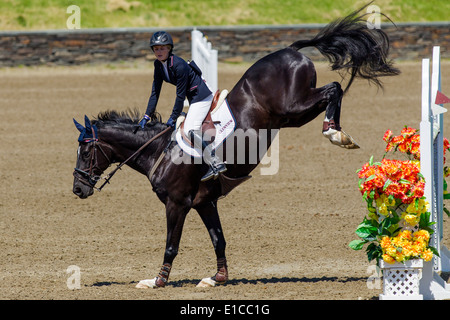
[225, 124]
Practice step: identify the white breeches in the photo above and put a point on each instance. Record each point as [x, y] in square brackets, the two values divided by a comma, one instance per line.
[196, 114]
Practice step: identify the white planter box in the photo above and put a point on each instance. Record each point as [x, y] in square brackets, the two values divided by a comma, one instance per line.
[401, 280]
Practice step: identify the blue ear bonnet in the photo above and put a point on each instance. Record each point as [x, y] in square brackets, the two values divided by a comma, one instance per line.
[87, 133]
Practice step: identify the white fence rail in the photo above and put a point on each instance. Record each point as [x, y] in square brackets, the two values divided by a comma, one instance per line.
[206, 58]
[432, 286]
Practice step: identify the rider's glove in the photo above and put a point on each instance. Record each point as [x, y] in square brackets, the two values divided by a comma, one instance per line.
[171, 122]
[142, 123]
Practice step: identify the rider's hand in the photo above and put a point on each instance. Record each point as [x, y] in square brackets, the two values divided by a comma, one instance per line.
[171, 123]
[142, 123]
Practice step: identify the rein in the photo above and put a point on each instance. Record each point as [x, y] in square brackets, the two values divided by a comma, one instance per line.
[119, 166]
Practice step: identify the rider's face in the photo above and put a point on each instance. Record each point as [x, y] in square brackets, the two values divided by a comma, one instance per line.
[161, 52]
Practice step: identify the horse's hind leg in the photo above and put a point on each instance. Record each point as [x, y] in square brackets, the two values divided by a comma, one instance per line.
[210, 217]
[314, 101]
[331, 125]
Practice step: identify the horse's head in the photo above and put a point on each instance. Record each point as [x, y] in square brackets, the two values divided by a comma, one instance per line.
[93, 158]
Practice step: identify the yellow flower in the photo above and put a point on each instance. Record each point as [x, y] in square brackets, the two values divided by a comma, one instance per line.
[400, 257]
[423, 203]
[385, 242]
[446, 172]
[411, 219]
[411, 208]
[395, 241]
[417, 250]
[392, 251]
[405, 235]
[421, 244]
[406, 245]
[422, 235]
[407, 250]
[422, 207]
[385, 199]
[427, 255]
[387, 258]
[383, 204]
[382, 209]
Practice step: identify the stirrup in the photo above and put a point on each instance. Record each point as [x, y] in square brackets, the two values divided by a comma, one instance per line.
[209, 175]
[214, 171]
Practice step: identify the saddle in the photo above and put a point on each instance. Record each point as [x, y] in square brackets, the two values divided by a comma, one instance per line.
[208, 125]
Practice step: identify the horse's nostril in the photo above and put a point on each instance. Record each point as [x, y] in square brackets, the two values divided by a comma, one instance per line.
[77, 190]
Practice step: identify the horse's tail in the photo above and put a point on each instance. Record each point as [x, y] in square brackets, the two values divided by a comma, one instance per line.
[350, 45]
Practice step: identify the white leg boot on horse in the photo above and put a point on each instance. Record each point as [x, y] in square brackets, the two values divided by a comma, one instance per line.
[146, 284]
[331, 125]
[158, 282]
[337, 136]
[220, 278]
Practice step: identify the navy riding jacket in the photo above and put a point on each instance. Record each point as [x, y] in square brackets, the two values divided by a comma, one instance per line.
[188, 82]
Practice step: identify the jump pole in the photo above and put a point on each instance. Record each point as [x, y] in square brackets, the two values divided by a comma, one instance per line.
[432, 286]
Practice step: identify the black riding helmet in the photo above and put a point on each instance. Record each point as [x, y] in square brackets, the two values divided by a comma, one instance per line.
[161, 38]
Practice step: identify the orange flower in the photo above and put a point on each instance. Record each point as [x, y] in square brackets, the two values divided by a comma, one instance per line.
[407, 142]
[366, 171]
[415, 146]
[407, 132]
[387, 135]
[418, 190]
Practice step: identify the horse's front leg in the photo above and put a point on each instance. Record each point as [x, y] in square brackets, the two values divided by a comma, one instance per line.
[210, 217]
[176, 215]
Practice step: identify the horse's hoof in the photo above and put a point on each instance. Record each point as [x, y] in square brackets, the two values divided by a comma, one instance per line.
[206, 283]
[340, 138]
[146, 284]
[348, 141]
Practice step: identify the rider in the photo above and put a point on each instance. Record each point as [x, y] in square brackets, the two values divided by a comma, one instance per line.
[187, 78]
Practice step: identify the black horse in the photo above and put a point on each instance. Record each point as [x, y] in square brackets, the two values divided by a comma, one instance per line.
[278, 91]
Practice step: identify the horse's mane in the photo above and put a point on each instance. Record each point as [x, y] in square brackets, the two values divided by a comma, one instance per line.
[113, 117]
[124, 119]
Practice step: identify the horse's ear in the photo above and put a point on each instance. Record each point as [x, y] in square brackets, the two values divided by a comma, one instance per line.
[87, 123]
[79, 126]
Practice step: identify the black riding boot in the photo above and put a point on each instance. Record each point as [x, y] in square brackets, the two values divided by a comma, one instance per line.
[216, 166]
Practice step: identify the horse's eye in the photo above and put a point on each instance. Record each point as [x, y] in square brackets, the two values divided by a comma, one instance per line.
[85, 154]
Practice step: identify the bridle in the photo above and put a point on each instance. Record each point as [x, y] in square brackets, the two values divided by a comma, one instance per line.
[89, 178]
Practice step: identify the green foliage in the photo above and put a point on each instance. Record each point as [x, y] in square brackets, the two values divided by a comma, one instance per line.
[51, 14]
[370, 231]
